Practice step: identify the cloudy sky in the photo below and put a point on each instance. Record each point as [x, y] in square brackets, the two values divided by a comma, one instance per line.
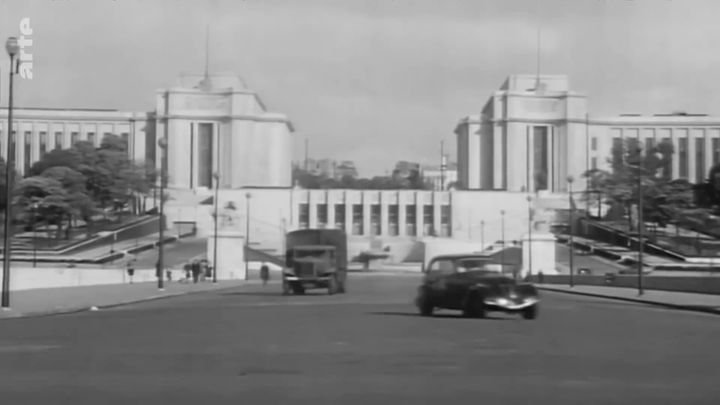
[374, 81]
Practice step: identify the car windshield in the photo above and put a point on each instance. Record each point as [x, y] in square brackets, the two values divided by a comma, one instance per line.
[311, 254]
[472, 264]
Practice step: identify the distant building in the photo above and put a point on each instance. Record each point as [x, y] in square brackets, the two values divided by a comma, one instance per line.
[212, 124]
[534, 132]
[331, 169]
[440, 178]
[404, 170]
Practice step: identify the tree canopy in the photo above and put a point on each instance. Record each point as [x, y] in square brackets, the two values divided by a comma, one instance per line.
[80, 182]
[309, 180]
[638, 169]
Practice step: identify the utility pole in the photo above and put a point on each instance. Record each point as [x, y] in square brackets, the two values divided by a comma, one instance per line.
[307, 141]
[442, 165]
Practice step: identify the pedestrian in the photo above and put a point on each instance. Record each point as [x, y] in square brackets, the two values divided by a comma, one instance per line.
[196, 271]
[264, 273]
[130, 270]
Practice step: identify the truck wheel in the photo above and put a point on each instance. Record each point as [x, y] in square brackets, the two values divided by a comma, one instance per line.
[298, 289]
[333, 285]
[286, 288]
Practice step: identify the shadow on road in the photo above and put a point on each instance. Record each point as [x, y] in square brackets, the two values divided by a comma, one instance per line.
[439, 316]
[275, 293]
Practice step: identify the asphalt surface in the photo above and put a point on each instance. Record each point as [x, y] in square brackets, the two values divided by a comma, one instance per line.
[251, 345]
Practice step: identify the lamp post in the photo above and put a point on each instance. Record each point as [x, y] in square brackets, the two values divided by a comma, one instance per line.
[12, 47]
[570, 180]
[530, 218]
[247, 231]
[34, 207]
[641, 222]
[216, 176]
[502, 233]
[482, 234]
[162, 142]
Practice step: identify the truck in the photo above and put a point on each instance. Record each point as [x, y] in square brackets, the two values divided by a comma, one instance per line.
[315, 258]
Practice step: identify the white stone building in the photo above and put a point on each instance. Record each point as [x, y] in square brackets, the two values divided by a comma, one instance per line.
[531, 136]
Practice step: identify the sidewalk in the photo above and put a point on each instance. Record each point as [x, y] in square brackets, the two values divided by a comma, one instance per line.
[669, 299]
[48, 301]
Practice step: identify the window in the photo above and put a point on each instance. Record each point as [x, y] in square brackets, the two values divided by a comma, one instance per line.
[322, 215]
[126, 139]
[593, 163]
[649, 145]
[667, 169]
[683, 156]
[393, 215]
[410, 220]
[27, 151]
[205, 154]
[444, 220]
[699, 160]
[617, 152]
[43, 144]
[340, 216]
[540, 158]
[304, 216]
[13, 147]
[441, 266]
[74, 137]
[715, 151]
[91, 138]
[593, 143]
[428, 220]
[375, 220]
[357, 219]
[58, 140]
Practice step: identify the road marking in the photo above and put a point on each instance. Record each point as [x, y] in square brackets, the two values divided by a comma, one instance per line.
[17, 348]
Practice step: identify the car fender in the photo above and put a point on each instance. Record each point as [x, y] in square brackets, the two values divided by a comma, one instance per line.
[475, 292]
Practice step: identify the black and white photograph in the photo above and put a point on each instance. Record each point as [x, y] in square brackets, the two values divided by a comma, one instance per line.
[356, 202]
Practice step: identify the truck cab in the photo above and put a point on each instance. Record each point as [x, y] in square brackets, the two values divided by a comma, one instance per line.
[315, 259]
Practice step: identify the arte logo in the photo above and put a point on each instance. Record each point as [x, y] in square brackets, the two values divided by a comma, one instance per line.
[25, 62]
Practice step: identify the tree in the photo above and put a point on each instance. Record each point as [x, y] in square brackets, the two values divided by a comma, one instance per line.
[634, 170]
[48, 195]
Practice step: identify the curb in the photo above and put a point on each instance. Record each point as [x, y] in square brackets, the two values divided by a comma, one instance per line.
[693, 308]
[75, 310]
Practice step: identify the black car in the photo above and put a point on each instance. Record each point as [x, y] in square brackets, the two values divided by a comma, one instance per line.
[466, 283]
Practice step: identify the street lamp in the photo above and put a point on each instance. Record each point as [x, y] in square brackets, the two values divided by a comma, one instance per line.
[216, 176]
[162, 142]
[502, 232]
[12, 48]
[641, 222]
[34, 207]
[530, 219]
[482, 234]
[570, 180]
[247, 232]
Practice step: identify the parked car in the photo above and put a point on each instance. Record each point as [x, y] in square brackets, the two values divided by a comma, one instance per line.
[467, 282]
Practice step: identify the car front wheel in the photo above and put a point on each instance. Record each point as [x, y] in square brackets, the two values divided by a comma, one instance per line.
[530, 312]
[425, 305]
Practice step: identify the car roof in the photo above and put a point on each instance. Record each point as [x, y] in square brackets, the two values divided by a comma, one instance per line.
[456, 256]
[314, 247]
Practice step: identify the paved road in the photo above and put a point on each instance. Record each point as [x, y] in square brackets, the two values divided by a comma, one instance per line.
[251, 345]
[597, 265]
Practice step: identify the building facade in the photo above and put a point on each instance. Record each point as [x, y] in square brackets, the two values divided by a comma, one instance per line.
[212, 125]
[534, 132]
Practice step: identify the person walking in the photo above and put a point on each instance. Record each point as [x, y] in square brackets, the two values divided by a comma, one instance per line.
[131, 269]
[196, 271]
[264, 273]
